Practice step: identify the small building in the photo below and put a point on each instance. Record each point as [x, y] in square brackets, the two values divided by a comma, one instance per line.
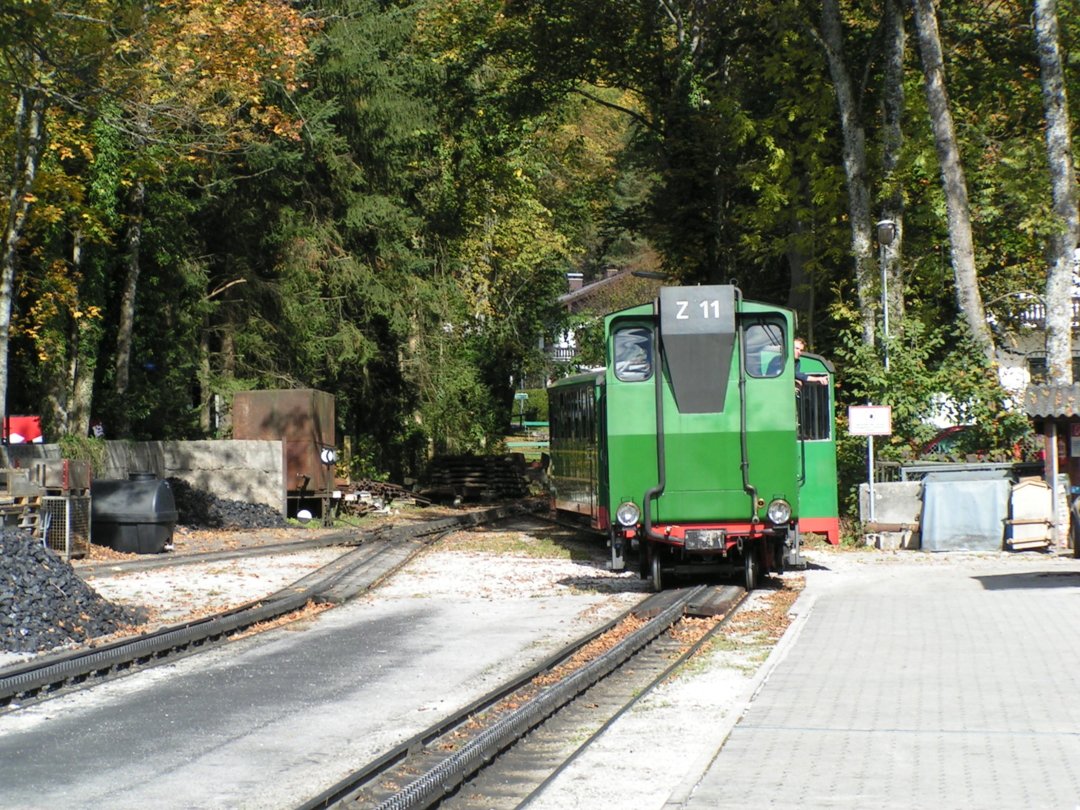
[617, 289]
[304, 421]
[1054, 411]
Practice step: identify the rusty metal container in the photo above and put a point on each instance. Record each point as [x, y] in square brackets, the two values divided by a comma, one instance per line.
[64, 474]
[303, 420]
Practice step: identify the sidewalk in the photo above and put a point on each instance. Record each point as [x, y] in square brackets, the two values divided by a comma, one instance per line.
[954, 683]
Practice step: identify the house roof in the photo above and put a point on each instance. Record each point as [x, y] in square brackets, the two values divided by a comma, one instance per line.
[591, 290]
[595, 293]
[1052, 401]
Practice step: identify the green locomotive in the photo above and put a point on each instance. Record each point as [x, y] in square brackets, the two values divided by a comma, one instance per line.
[691, 445]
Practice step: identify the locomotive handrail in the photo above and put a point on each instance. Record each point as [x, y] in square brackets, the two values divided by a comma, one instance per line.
[744, 450]
[661, 465]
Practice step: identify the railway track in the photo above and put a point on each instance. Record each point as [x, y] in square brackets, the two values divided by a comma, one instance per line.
[376, 555]
[505, 747]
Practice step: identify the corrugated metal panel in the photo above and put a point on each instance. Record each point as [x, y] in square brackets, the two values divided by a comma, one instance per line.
[1041, 401]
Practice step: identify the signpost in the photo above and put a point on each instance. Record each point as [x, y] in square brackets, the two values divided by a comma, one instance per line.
[520, 397]
[870, 421]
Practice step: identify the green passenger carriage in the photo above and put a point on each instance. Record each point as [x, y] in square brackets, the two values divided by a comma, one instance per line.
[687, 446]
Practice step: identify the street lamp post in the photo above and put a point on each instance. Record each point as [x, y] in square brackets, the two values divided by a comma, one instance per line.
[886, 233]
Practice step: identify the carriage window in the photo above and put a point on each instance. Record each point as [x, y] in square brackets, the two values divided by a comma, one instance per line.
[632, 350]
[763, 348]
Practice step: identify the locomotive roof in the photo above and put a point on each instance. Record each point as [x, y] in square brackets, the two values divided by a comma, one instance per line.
[593, 377]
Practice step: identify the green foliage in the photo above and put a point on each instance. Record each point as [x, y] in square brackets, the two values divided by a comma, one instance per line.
[536, 406]
[405, 251]
[84, 448]
[932, 373]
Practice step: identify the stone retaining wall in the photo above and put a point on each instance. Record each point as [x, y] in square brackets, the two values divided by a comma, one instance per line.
[233, 469]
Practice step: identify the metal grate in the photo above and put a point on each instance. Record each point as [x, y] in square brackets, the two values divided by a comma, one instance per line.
[65, 524]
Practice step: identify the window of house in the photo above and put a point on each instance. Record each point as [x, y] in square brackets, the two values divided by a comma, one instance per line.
[1037, 368]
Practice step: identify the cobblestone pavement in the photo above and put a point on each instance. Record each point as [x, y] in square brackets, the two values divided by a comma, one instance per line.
[914, 681]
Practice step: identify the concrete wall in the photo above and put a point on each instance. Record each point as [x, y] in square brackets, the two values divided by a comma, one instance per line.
[897, 511]
[239, 470]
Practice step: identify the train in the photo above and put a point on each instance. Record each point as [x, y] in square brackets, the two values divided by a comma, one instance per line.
[694, 447]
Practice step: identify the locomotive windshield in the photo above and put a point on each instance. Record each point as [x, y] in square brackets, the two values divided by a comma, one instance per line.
[632, 350]
[763, 342]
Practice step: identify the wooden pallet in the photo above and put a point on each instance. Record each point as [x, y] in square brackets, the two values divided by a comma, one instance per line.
[21, 512]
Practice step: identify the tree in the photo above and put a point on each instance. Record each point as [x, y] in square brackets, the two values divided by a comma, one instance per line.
[45, 51]
[892, 147]
[1063, 241]
[954, 183]
[855, 169]
[193, 77]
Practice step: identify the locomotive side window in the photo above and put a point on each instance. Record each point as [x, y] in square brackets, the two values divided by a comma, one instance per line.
[813, 409]
[632, 350]
[763, 347]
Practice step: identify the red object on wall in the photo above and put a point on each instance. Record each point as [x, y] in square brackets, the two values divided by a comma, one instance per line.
[23, 430]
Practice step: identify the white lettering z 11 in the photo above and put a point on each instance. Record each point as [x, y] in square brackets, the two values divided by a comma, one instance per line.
[710, 309]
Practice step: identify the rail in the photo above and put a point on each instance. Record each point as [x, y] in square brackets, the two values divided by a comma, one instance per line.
[38, 679]
[514, 710]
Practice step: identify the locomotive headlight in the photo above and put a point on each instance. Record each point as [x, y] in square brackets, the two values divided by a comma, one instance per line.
[627, 514]
[779, 511]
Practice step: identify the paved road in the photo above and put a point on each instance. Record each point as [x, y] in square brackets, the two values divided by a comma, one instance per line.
[268, 722]
[944, 682]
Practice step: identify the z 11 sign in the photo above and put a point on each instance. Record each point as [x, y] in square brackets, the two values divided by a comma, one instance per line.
[870, 420]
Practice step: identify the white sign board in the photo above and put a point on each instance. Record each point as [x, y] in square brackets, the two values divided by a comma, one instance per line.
[870, 420]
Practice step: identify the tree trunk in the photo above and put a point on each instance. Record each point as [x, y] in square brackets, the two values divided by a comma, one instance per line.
[82, 397]
[228, 371]
[854, 156]
[962, 248]
[29, 136]
[1062, 253]
[204, 378]
[126, 327]
[82, 365]
[892, 146]
[62, 378]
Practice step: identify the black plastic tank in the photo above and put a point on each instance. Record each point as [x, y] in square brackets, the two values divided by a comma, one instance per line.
[135, 515]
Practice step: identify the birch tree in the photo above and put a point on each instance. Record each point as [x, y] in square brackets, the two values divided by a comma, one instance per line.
[953, 181]
[892, 202]
[855, 172]
[1063, 242]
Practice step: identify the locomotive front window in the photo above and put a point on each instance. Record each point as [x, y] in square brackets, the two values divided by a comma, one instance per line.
[763, 347]
[632, 349]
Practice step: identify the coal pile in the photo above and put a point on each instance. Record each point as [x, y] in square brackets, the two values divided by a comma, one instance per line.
[43, 602]
[200, 509]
